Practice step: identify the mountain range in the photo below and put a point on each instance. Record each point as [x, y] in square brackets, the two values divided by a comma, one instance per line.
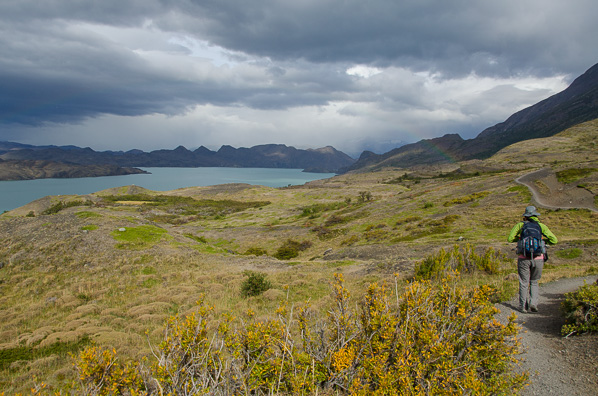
[576, 104]
[325, 159]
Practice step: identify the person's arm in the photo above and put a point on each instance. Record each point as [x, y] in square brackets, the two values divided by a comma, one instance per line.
[550, 237]
[514, 234]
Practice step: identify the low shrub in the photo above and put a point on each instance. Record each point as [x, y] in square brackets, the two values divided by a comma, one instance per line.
[434, 338]
[350, 240]
[581, 310]
[404, 178]
[57, 207]
[255, 284]
[256, 251]
[461, 259]
[291, 248]
[101, 373]
[467, 198]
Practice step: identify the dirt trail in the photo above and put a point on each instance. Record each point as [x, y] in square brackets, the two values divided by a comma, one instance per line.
[554, 194]
[557, 365]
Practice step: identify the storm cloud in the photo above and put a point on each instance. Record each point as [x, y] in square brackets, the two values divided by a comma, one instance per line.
[352, 74]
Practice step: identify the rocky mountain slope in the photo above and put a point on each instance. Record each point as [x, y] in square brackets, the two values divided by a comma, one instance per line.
[30, 169]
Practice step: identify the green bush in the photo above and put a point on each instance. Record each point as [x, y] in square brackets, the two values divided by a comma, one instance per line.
[256, 251]
[57, 207]
[290, 249]
[462, 259]
[581, 310]
[255, 284]
[286, 253]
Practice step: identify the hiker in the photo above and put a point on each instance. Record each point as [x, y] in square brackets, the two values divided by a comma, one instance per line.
[531, 236]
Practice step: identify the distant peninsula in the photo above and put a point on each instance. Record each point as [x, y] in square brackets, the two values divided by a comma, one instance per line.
[321, 160]
[41, 169]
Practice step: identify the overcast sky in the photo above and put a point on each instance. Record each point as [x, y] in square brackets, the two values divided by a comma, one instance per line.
[149, 74]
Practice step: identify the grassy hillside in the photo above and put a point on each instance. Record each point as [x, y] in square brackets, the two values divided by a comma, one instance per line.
[111, 267]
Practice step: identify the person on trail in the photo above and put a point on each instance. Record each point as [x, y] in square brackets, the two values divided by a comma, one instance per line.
[531, 236]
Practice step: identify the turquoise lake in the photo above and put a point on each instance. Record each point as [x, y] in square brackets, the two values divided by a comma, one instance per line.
[18, 193]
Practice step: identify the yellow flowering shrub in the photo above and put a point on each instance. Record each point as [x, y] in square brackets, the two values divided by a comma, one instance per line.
[463, 259]
[100, 373]
[434, 338]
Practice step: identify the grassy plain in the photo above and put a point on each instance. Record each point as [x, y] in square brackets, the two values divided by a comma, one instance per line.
[113, 268]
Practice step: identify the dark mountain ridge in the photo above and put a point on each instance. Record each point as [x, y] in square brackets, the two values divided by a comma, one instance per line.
[326, 159]
[576, 104]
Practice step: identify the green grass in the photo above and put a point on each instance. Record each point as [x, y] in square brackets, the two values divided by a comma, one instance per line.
[90, 227]
[571, 253]
[29, 353]
[467, 198]
[523, 192]
[148, 270]
[150, 282]
[196, 238]
[85, 214]
[138, 237]
[574, 174]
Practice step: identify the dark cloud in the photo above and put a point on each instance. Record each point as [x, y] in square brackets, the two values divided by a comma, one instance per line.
[423, 67]
[453, 38]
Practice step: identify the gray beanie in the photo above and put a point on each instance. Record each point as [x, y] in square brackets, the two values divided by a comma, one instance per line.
[531, 211]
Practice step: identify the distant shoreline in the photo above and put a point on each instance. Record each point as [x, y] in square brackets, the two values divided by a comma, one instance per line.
[15, 170]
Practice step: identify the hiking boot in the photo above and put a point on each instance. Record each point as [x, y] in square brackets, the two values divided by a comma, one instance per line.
[522, 310]
[533, 308]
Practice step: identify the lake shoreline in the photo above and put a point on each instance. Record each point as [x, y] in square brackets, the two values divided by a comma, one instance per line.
[17, 193]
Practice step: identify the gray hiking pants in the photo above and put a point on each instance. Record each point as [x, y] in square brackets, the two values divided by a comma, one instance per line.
[529, 275]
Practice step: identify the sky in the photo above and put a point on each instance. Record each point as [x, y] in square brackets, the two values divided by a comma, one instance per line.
[353, 74]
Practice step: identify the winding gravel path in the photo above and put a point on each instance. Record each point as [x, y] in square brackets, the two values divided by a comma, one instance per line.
[557, 365]
[560, 196]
